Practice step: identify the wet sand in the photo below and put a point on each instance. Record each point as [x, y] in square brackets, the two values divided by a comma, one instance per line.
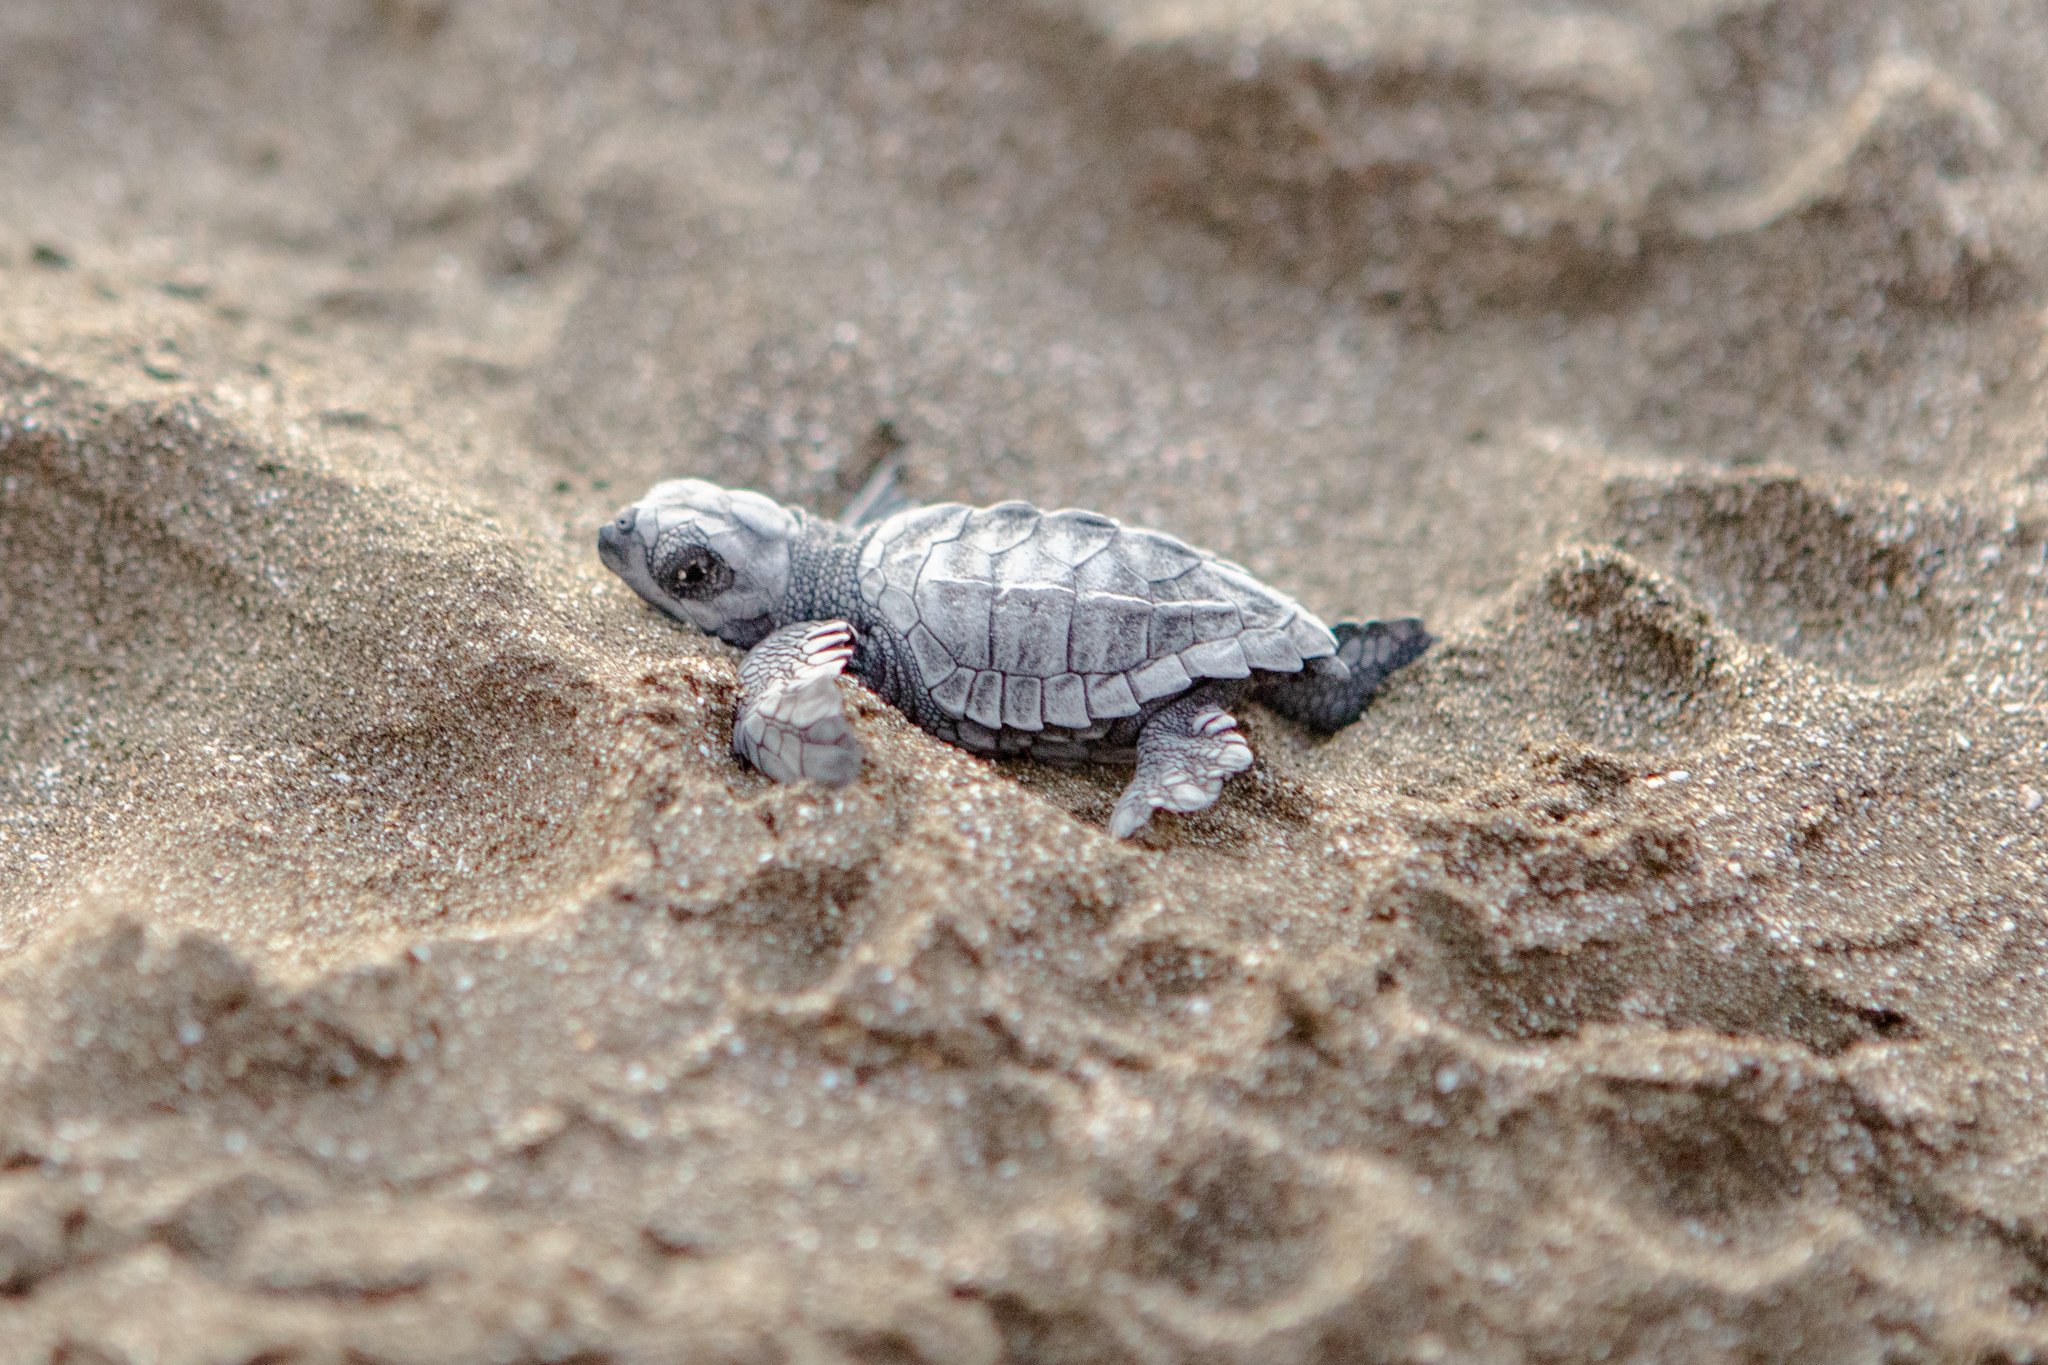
[394, 966]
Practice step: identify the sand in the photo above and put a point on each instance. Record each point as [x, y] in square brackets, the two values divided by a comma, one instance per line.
[394, 966]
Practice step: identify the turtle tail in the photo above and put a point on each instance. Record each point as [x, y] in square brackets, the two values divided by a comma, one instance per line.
[1331, 692]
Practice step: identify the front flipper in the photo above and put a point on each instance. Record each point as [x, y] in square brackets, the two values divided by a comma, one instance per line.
[792, 720]
[1184, 754]
[882, 496]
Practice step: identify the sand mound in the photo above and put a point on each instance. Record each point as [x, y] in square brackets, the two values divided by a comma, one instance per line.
[394, 966]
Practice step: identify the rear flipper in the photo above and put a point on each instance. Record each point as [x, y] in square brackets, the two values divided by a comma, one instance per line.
[1331, 692]
[1185, 753]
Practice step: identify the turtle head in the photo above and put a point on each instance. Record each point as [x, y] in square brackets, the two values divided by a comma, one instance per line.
[716, 557]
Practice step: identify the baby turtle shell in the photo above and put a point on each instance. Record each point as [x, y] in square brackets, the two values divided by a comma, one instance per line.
[1022, 620]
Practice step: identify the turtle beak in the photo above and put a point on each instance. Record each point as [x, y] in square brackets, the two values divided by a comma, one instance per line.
[612, 539]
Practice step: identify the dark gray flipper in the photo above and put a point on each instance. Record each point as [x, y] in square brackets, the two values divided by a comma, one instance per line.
[880, 498]
[1329, 693]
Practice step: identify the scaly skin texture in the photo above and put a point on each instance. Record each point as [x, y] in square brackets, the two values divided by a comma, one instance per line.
[1007, 630]
[822, 577]
[823, 586]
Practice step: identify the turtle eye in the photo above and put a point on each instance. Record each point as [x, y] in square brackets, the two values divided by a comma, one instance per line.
[697, 573]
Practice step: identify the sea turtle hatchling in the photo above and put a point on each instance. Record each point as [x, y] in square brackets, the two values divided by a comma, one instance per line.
[1006, 630]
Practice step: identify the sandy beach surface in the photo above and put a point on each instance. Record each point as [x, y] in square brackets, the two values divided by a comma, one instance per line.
[395, 967]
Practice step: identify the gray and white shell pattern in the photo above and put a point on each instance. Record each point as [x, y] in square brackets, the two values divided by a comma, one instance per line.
[1059, 624]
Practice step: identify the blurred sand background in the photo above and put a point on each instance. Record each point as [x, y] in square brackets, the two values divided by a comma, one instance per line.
[395, 968]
